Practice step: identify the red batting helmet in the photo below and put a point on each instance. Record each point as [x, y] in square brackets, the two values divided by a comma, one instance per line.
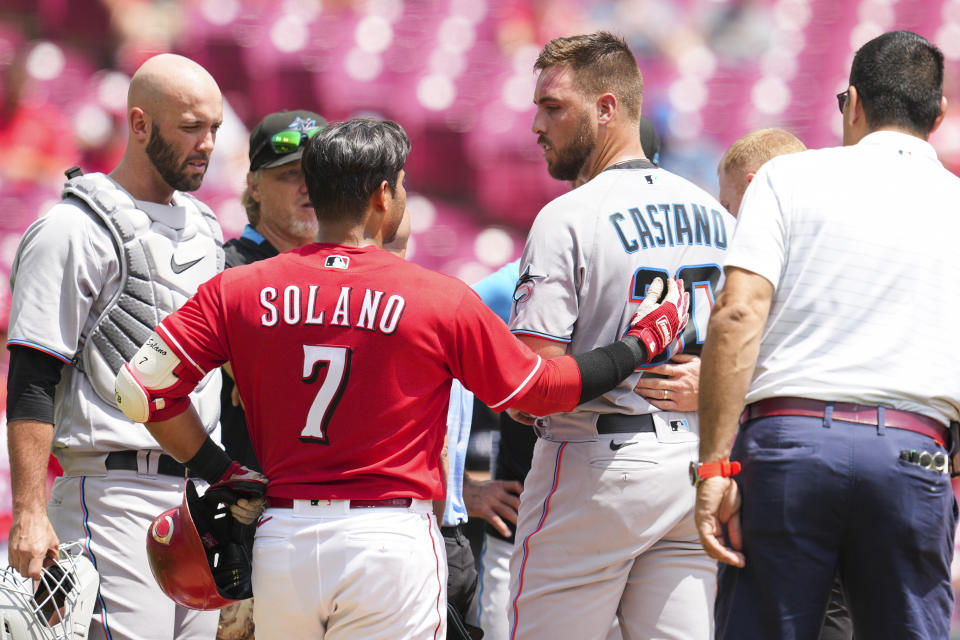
[199, 554]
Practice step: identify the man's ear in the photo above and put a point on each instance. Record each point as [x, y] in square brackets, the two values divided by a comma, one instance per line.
[140, 124]
[253, 185]
[854, 111]
[606, 108]
[381, 197]
[943, 112]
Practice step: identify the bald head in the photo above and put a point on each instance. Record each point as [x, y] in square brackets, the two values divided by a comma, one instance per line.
[745, 157]
[174, 111]
[167, 78]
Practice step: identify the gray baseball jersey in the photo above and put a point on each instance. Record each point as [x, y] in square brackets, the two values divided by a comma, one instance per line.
[590, 256]
[65, 273]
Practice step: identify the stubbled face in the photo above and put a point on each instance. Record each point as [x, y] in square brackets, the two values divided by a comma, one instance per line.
[733, 184]
[182, 137]
[562, 123]
[284, 202]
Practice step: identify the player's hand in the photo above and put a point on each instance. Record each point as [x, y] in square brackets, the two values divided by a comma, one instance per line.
[494, 501]
[239, 483]
[681, 384]
[32, 539]
[718, 503]
[522, 417]
[248, 510]
[657, 323]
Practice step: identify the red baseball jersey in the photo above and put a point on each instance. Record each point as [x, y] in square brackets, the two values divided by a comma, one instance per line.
[344, 358]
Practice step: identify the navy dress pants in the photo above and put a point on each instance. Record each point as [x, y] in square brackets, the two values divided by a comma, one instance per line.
[822, 496]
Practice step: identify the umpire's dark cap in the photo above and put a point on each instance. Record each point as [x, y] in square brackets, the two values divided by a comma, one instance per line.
[262, 154]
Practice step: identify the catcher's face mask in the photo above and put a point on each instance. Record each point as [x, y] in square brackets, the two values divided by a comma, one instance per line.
[58, 606]
[199, 554]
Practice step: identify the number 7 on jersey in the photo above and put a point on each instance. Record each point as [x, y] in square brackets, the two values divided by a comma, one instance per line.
[336, 362]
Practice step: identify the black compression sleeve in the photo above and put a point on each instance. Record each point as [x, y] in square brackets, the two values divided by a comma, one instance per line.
[210, 461]
[604, 368]
[31, 383]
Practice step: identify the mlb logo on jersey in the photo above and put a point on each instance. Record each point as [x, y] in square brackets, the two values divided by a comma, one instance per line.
[337, 262]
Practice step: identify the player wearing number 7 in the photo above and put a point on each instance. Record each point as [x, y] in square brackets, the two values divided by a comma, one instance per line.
[344, 355]
[606, 514]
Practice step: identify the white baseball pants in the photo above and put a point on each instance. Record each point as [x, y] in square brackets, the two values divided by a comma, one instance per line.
[328, 572]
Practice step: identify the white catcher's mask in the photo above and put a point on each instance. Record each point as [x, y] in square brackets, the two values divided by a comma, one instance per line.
[58, 607]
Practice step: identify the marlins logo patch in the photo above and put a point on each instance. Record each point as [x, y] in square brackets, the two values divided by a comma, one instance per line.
[302, 124]
[524, 288]
[337, 262]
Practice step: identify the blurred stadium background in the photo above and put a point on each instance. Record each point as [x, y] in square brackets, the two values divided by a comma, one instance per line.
[457, 74]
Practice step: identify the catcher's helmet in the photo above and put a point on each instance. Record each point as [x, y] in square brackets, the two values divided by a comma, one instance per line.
[199, 554]
[59, 607]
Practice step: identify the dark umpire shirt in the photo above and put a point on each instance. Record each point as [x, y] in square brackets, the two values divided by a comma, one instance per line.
[249, 247]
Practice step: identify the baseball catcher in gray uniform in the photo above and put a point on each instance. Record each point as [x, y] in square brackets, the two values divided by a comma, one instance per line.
[91, 279]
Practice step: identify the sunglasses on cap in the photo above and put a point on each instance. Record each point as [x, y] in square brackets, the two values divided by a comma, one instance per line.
[288, 141]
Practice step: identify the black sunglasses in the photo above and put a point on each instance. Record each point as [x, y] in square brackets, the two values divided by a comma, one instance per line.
[842, 99]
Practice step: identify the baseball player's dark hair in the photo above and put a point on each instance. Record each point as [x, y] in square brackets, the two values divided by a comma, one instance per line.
[899, 77]
[346, 162]
[601, 63]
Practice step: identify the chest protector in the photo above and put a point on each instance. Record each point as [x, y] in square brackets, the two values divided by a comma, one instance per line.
[160, 268]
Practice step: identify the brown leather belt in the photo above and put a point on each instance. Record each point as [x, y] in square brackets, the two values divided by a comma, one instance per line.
[287, 503]
[847, 412]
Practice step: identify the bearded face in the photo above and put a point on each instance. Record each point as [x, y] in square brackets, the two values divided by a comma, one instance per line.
[566, 157]
[182, 172]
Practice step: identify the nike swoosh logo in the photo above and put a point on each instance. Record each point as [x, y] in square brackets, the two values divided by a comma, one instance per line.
[616, 446]
[180, 268]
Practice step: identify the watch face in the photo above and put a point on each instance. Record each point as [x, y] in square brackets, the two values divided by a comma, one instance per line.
[693, 472]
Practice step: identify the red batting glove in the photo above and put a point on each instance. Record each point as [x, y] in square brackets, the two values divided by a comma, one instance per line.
[657, 323]
[235, 483]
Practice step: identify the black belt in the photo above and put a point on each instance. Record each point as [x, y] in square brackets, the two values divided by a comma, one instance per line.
[623, 423]
[127, 461]
[452, 531]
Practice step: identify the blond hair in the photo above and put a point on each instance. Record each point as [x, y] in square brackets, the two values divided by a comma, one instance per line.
[601, 63]
[251, 206]
[748, 154]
